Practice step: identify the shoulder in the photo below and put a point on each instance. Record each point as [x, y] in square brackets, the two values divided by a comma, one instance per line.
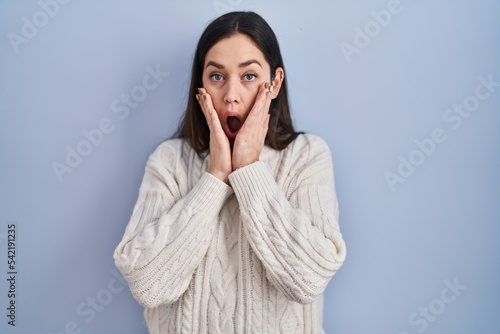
[168, 162]
[309, 140]
[309, 146]
[306, 160]
[172, 154]
[168, 149]
[306, 155]
[310, 155]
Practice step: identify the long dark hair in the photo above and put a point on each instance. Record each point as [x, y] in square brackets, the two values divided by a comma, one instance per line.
[193, 126]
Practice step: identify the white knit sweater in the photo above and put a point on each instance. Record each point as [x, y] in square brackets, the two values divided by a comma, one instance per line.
[251, 257]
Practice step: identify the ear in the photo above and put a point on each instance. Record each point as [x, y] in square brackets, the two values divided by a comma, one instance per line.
[279, 76]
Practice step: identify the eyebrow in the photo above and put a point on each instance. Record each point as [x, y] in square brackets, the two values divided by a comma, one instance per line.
[244, 64]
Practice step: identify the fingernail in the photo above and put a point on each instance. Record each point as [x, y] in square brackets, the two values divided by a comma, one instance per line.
[271, 88]
[199, 90]
[266, 86]
[198, 97]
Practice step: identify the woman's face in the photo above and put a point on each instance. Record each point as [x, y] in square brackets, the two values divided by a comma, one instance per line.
[234, 70]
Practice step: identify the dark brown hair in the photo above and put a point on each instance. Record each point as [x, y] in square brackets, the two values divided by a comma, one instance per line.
[193, 126]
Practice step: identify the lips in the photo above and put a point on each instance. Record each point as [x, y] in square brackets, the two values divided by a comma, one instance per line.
[232, 125]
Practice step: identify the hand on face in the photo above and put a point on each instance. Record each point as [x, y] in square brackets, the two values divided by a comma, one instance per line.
[220, 150]
[249, 140]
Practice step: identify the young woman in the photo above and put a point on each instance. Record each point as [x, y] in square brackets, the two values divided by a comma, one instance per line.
[236, 226]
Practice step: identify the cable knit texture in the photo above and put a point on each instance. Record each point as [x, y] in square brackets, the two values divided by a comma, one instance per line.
[251, 257]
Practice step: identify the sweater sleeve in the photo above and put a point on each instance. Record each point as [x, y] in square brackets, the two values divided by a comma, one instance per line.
[296, 236]
[168, 234]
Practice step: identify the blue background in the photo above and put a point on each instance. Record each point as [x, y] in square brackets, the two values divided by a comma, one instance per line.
[406, 244]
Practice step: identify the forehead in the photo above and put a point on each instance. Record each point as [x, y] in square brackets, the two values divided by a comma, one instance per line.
[234, 50]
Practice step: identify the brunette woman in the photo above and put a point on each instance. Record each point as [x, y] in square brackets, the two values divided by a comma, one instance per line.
[236, 226]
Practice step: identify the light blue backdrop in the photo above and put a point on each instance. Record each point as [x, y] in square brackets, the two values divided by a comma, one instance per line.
[406, 93]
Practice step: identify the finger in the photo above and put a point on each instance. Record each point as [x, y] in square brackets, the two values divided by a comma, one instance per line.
[210, 114]
[201, 101]
[265, 127]
[268, 97]
[260, 109]
[265, 96]
[207, 107]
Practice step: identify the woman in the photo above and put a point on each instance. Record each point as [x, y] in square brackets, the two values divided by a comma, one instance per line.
[236, 226]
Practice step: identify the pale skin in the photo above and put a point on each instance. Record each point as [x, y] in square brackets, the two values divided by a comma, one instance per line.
[236, 77]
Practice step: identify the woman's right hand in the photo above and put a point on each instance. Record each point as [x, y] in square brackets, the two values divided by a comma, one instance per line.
[220, 149]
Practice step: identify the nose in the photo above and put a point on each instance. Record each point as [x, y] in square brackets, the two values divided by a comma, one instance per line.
[232, 94]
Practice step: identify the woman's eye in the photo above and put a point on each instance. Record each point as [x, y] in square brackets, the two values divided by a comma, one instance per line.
[216, 77]
[250, 77]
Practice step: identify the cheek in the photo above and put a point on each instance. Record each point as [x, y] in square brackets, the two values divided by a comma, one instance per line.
[249, 100]
[217, 98]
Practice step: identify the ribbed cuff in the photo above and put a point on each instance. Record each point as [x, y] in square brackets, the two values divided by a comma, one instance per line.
[252, 182]
[209, 194]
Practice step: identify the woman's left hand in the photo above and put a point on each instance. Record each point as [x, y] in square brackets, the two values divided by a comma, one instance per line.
[251, 138]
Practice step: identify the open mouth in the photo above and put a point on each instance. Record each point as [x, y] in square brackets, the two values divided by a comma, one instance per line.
[233, 125]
